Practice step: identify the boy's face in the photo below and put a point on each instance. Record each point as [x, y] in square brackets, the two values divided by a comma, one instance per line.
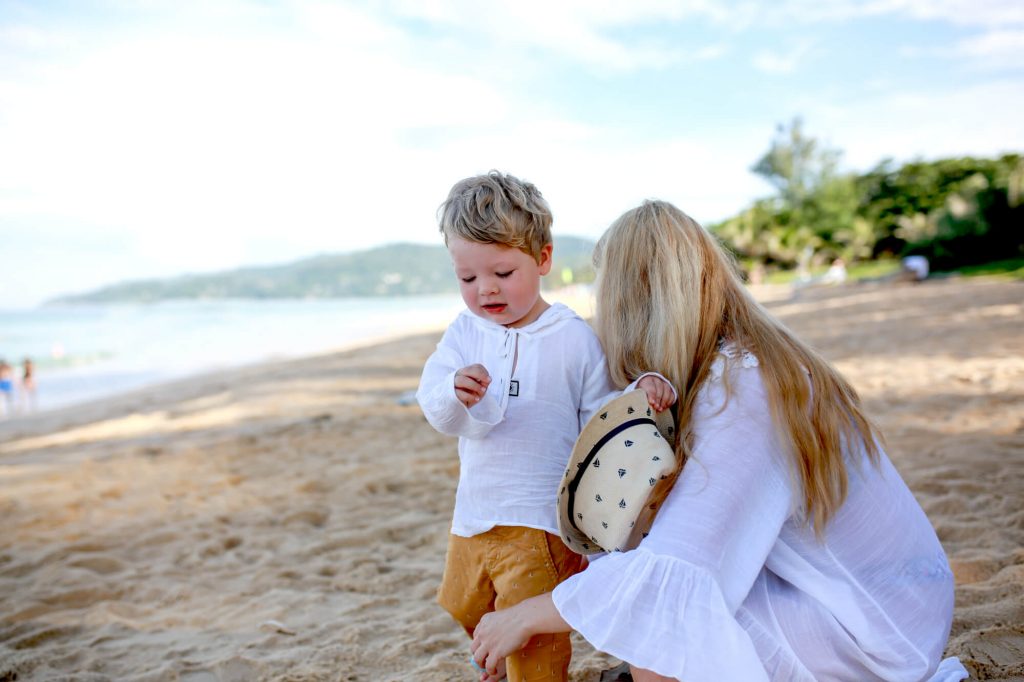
[500, 283]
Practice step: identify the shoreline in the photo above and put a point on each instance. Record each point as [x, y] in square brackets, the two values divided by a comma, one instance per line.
[187, 384]
[82, 353]
[123, 380]
[288, 520]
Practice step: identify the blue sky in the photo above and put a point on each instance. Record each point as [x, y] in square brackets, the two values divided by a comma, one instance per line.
[155, 138]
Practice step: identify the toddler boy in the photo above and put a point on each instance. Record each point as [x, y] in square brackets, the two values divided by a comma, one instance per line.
[515, 378]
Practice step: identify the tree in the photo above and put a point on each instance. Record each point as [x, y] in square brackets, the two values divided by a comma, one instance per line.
[954, 211]
[796, 164]
[813, 212]
[961, 211]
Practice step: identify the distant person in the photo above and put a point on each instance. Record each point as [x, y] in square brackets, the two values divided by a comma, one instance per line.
[28, 385]
[803, 266]
[6, 388]
[515, 378]
[914, 268]
[757, 274]
[836, 273]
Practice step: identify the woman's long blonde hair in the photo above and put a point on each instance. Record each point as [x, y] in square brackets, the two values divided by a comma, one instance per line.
[668, 294]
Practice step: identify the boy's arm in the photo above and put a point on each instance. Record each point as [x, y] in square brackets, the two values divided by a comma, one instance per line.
[660, 393]
[598, 388]
[439, 402]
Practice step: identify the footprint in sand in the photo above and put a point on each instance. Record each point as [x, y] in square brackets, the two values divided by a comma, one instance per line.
[39, 636]
[996, 654]
[316, 517]
[102, 564]
[232, 670]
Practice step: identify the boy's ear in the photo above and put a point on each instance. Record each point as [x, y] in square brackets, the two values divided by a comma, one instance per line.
[544, 259]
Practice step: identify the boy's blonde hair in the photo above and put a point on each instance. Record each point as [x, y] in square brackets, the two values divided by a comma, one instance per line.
[497, 208]
[668, 294]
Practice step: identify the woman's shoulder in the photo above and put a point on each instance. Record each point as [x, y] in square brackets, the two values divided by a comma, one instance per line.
[730, 357]
[733, 384]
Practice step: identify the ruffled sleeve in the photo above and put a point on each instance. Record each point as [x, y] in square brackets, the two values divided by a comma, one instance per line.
[660, 613]
[670, 605]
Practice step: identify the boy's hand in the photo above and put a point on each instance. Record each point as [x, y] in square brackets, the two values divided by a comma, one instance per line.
[659, 392]
[471, 384]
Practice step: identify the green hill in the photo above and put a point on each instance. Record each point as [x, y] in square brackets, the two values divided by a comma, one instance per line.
[393, 270]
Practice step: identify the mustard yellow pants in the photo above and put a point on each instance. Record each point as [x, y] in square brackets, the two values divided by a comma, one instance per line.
[500, 568]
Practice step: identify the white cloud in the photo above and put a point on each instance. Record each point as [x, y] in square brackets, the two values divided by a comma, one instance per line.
[192, 148]
[989, 13]
[579, 30]
[997, 49]
[990, 50]
[711, 52]
[782, 62]
[981, 120]
[26, 37]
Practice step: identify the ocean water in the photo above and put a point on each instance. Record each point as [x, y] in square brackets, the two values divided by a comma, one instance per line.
[85, 352]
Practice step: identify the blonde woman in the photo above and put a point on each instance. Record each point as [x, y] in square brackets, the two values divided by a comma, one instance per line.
[789, 548]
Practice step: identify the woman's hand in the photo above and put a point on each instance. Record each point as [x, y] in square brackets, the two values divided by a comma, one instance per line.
[504, 632]
[498, 634]
[659, 392]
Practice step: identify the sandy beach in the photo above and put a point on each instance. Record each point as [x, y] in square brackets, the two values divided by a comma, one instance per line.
[288, 521]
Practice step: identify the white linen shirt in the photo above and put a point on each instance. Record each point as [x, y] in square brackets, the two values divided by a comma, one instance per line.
[513, 448]
[730, 584]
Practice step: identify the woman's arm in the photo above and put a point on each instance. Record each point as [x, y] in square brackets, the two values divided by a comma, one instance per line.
[501, 633]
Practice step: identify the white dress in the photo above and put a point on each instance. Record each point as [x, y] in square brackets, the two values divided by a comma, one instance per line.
[732, 585]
